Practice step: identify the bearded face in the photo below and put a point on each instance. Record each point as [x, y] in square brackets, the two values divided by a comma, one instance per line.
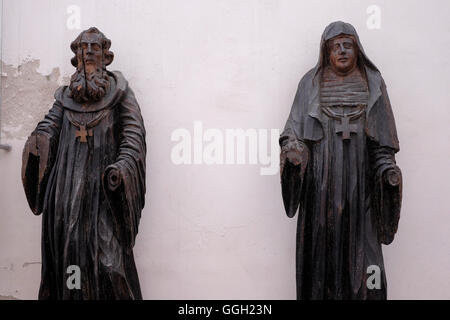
[90, 81]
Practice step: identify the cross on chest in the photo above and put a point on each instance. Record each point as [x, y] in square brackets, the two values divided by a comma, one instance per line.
[83, 133]
[346, 128]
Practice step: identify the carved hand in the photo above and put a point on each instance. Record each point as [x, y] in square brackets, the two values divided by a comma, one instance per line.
[393, 176]
[113, 177]
[295, 152]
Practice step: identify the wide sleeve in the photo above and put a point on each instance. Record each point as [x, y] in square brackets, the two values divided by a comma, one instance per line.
[128, 200]
[381, 123]
[293, 125]
[292, 146]
[38, 156]
[387, 178]
[387, 191]
[293, 178]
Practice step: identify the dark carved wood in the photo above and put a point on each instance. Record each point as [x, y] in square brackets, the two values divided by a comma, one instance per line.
[338, 171]
[84, 171]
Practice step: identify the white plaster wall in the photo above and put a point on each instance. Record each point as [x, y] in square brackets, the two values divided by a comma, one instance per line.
[219, 231]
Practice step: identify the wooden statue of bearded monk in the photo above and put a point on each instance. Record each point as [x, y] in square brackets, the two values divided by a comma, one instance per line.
[338, 171]
[84, 171]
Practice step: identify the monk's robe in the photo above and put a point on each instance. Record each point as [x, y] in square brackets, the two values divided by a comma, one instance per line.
[65, 170]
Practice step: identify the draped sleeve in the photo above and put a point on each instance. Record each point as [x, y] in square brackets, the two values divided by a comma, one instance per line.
[128, 200]
[38, 157]
[383, 145]
[293, 140]
[387, 199]
[381, 123]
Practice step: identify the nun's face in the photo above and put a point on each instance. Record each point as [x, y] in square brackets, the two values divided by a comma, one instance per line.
[343, 54]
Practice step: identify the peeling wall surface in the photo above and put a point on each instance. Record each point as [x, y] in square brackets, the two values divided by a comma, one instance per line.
[26, 96]
[220, 231]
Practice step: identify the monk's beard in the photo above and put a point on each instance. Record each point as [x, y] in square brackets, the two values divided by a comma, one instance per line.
[91, 87]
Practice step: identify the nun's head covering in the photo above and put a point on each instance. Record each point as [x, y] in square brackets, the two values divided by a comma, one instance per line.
[335, 29]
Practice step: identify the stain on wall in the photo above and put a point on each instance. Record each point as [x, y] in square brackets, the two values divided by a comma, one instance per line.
[26, 264]
[8, 298]
[26, 97]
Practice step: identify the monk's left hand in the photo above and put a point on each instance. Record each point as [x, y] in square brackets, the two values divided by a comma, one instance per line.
[113, 177]
[393, 176]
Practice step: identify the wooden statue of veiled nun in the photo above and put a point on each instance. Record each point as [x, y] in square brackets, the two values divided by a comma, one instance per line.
[338, 171]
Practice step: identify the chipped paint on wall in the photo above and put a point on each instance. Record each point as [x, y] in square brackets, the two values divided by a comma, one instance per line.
[26, 97]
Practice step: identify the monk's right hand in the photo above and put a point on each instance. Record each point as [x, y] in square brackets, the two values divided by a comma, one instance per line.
[38, 144]
[30, 146]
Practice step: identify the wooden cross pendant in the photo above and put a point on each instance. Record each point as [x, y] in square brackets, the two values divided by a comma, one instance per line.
[346, 128]
[83, 133]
